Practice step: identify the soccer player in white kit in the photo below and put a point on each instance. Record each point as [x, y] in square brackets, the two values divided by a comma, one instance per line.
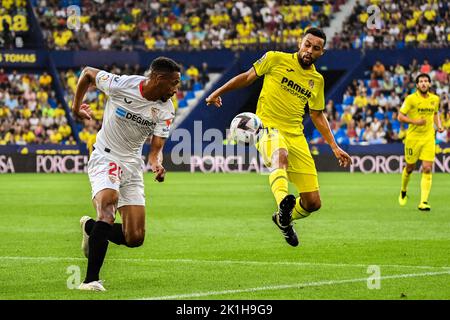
[137, 107]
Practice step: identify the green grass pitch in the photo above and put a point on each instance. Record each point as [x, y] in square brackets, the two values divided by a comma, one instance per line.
[211, 237]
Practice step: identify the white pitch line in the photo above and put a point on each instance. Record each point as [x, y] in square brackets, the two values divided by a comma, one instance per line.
[290, 286]
[242, 262]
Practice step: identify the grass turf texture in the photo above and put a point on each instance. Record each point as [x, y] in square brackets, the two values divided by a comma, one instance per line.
[211, 237]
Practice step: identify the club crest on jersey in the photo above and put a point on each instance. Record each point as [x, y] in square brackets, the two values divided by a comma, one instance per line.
[311, 84]
[155, 114]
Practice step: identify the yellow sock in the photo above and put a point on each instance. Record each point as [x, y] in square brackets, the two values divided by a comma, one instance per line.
[279, 184]
[299, 212]
[425, 187]
[405, 179]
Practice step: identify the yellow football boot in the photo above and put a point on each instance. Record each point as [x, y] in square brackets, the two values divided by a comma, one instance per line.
[424, 206]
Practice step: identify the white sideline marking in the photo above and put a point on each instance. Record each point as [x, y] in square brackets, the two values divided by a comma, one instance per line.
[243, 262]
[291, 286]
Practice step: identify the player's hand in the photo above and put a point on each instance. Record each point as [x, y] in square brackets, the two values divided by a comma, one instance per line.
[342, 156]
[217, 101]
[159, 172]
[84, 112]
[420, 122]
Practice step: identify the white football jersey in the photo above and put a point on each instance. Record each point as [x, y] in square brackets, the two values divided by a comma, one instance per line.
[129, 118]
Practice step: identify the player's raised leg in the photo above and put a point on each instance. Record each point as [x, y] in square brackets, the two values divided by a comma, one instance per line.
[278, 177]
[105, 204]
[308, 201]
[406, 174]
[279, 184]
[272, 147]
[425, 185]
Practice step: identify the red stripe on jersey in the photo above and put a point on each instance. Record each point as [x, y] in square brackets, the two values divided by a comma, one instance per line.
[140, 88]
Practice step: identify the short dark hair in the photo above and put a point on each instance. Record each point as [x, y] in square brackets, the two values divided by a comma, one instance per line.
[164, 64]
[422, 75]
[318, 33]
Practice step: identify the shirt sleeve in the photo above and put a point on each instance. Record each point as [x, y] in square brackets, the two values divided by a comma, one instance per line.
[406, 106]
[264, 64]
[109, 83]
[162, 127]
[438, 103]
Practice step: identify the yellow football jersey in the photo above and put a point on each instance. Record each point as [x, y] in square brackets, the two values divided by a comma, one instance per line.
[287, 90]
[416, 106]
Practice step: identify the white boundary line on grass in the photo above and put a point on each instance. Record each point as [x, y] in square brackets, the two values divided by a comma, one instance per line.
[242, 262]
[290, 286]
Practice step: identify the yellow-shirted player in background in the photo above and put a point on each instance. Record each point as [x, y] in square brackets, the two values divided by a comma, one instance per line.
[291, 83]
[421, 111]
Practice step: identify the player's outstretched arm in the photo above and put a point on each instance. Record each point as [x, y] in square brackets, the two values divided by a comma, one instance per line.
[240, 81]
[321, 123]
[404, 118]
[87, 79]
[155, 158]
[438, 123]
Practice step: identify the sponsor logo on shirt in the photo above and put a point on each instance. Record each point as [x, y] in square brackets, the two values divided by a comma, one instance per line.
[287, 83]
[122, 113]
[425, 109]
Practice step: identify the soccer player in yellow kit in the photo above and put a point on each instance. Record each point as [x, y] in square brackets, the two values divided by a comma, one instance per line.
[291, 83]
[421, 111]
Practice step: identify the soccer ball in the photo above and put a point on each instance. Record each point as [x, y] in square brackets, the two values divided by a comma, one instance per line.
[245, 127]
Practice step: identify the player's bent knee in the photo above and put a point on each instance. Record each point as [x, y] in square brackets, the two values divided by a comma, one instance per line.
[108, 218]
[410, 168]
[426, 170]
[313, 205]
[135, 239]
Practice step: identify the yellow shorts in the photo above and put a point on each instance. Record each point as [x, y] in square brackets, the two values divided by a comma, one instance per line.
[415, 150]
[301, 167]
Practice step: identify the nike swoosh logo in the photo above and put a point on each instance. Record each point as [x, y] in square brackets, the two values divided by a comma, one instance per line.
[126, 101]
[289, 70]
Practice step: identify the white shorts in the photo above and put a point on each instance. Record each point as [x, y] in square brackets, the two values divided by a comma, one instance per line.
[108, 172]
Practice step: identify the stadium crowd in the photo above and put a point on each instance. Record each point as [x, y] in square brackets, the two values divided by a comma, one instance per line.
[396, 24]
[30, 112]
[180, 25]
[367, 114]
[13, 24]
[368, 111]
